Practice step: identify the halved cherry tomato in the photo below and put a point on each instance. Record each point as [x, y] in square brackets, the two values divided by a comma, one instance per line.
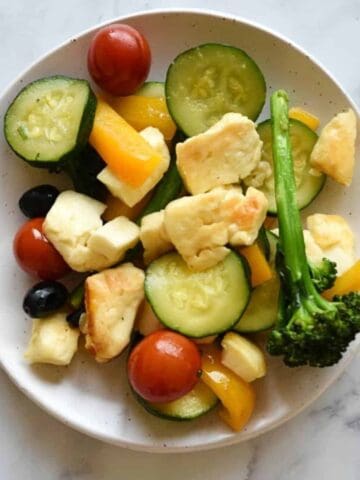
[164, 366]
[35, 254]
[119, 59]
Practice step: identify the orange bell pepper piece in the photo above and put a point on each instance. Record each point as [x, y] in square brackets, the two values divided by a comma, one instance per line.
[236, 395]
[260, 269]
[142, 112]
[348, 282]
[124, 150]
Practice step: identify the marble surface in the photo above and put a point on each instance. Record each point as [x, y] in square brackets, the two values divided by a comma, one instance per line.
[323, 441]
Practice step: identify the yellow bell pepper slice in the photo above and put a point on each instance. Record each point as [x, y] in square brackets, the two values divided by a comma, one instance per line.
[141, 112]
[260, 269]
[236, 395]
[121, 147]
[305, 117]
[348, 282]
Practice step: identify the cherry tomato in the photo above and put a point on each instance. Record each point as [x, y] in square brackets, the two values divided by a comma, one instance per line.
[35, 254]
[164, 366]
[119, 59]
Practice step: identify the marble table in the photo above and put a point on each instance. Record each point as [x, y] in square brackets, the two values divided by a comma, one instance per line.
[322, 442]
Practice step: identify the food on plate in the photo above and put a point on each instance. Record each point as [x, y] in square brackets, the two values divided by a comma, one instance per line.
[112, 298]
[197, 304]
[44, 298]
[235, 394]
[308, 181]
[37, 201]
[154, 237]
[200, 226]
[119, 59]
[309, 329]
[164, 366]
[50, 119]
[307, 118]
[334, 152]
[52, 340]
[242, 357]
[205, 82]
[140, 111]
[35, 254]
[222, 155]
[122, 186]
[166, 232]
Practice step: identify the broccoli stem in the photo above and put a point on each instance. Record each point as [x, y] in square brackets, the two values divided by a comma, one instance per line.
[290, 228]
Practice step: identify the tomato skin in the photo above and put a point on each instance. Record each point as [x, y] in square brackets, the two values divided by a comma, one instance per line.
[119, 59]
[164, 366]
[35, 254]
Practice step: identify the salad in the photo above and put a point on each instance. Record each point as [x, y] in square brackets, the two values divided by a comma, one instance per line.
[183, 225]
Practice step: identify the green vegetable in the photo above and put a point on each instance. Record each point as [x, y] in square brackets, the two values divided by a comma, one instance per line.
[205, 82]
[152, 89]
[323, 275]
[83, 169]
[169, 186]
[192, 405]
[309, 329]
[263, 242]
[77, 296]
[308, 185]
[50, 120]
[198, 304]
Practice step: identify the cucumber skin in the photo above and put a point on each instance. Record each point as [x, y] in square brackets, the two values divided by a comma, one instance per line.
[273, 213]
[247, 274]
[84, 131]
[147, 406]
[167, 97]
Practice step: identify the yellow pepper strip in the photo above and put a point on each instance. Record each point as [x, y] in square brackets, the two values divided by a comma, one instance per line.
[236, 395]
[348, 282]
[124, 150]
[260, 269]
[303, 116]
[142, 112]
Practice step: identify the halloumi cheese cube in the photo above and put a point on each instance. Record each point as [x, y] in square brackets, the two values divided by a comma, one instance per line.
[114, 238]
[74, 226]
[334, 236]
[334, 152]
[52, 341]
[146, 321]
[112, 298]
[226, 153]
[200, 226]
[131, 195]
[154, 237]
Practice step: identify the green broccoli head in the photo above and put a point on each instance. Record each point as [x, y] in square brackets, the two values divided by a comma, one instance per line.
[323, 275]
[317, 335]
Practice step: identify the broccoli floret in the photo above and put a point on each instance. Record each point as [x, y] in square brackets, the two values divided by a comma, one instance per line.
[323, 275]
[309, 330]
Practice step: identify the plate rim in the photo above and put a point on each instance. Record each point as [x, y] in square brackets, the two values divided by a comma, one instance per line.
[234, 439]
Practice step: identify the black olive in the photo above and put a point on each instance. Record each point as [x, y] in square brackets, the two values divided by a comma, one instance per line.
[37, 201]
[73, 318]
[44, 298]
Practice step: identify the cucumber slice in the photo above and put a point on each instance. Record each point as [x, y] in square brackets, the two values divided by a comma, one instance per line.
[197, 402]
[262, 310]
[303, 140]
[197, 304]
[50, 119]
[205, 82]
[152, 89]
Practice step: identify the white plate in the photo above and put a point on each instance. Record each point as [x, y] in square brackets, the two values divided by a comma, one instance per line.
[95, 399]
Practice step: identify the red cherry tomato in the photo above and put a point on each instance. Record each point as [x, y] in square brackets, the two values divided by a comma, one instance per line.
[119, 59]
[164, 366]
[35, 254]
